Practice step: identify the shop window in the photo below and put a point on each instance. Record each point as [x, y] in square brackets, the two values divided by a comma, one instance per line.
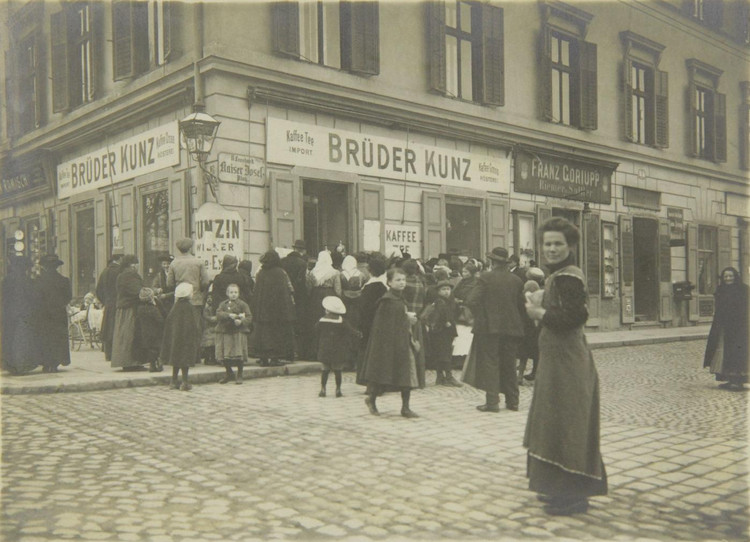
[569, 69]
[75, 43]
[466, 51]
[707, 122]
[707, 259]
[609, 274]
[155, 230]
[524, 239]
[25, 72]
[85, 257]
[338, 34]
[134, 51]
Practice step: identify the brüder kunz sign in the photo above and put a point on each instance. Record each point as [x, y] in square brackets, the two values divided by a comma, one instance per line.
[122, 160]
[392, 156]
[549, 175]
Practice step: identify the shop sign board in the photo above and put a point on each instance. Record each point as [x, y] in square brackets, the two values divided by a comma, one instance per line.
[392, 157]
[549, 175]
[218, 232]
[238, 168]
[149, 151]
[19, 183]
[405, 238]
[676, 223]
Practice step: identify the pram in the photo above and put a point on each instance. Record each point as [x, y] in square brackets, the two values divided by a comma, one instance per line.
[85, 323]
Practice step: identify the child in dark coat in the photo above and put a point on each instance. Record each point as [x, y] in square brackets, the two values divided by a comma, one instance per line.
[182, 337]
[336, 342]
[208, 339]
[149, 328]
[232, 326]
[440, 319]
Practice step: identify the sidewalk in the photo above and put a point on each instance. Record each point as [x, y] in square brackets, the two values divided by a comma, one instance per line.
[89, 372]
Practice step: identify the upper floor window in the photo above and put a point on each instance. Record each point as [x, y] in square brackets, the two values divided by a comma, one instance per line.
[135, 48]
[707, 122]
[745, 125]
[30, 98]
[646, 90]
[568, 68]
[707, 12]
[341, 34]
[75, 43]
[466, 50]
[25, 72]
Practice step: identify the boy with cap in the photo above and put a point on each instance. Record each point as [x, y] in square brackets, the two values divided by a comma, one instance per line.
[440, 320]
[335, 343]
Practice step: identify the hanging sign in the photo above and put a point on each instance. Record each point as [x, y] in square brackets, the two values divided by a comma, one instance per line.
[393, 157]
[237, 168]
[405, 238]
[218, 232]
[549, 175]
[149, 151]
[676, 223]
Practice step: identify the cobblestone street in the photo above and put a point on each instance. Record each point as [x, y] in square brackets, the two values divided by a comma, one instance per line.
[271, 460]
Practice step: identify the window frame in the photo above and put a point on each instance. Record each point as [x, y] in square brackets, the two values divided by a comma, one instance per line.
[26, 87]
[703, 80]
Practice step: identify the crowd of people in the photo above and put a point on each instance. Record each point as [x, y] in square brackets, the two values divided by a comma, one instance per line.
[387, 318]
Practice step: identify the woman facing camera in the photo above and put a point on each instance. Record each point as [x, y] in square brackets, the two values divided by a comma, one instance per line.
[564, 463]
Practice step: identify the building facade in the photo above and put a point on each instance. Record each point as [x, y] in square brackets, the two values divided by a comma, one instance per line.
[429, 126]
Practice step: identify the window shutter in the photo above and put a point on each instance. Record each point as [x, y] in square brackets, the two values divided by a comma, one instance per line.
[493, 63]
[627, 271]
[720, 127]
[665, 272]
[59, 53]
[724, 240]
[40, 100]
[692, 134]
[692, 269]
[168, 8]
[497, 223]
[713, 13]
[661, 104]
[627, 93]
[11, 118]
[745, 137]
[593, 262]
[360, 49]
[286, 216]
[545, 76]
[286, 29]
[433, 224]
[62, 235]
[371, 211]
[97, 46]
[588, 88]
[178, 205]
[122, 36]
[543, 214]
[436, 45]
[101, 229]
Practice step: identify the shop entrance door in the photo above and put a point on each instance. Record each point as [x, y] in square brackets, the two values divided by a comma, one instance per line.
[646, 270]
[463, 227]
[325, 216]
[85, 256]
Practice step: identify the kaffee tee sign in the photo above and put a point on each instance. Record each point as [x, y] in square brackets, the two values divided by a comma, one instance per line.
[389, 157]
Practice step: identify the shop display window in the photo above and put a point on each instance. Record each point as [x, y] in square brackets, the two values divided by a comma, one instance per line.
[707, 265]
[155, 230]
[525, 239]
[609, 276]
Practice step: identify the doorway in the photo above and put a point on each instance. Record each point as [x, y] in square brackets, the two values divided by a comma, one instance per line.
[463, 227]
[325, 216]
[646, 272]
[85, 256]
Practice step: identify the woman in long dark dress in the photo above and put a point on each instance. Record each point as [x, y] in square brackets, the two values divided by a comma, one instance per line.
[272, 307]
[726, 349]
[54, 293]
[368, 300]
[129, 284]
[19, 335]
[564, 463]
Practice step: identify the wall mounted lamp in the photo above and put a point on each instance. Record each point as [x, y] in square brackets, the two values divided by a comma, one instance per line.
[198, 131]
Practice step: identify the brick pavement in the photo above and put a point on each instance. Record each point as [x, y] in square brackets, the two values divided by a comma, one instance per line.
[270, 460]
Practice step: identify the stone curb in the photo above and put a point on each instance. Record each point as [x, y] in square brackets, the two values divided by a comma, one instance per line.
[648, 340]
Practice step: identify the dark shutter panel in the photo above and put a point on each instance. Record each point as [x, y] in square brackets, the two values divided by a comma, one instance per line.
[665, 272]
[661, 104]
[692, 134]
[713, 13]
[41, 80]
[286, 28]
[745, 137]
[720, 127]
[493, 66]
[167, 18]
[589, 119]
[59, 53]
[97, 46]
[436, 44]
[11, 118]
[122, 37]
[592, 224]
[361, 52]
[627, 93]
[545, 76]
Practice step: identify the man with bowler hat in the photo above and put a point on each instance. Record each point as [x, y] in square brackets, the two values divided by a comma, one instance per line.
[295, 265]
[55, 292]
[497, 303]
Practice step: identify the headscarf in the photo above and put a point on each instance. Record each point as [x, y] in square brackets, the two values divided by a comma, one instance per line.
[349, 267]
[229, 262]
[183, 290]
[270, 259]
[323, 269]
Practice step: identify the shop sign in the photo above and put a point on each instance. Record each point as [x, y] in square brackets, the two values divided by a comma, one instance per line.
[150, 151]
[22, 182]
[237, 168]
[405, 238]
[559, 177]
[737, 205]
[218, 232]
[676, 223]
[393, 157]
[638, 197]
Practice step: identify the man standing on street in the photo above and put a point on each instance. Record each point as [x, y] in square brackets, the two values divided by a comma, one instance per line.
[188, 268]
[497, 303]
[514, 266]
[106, 292]
[295, 265]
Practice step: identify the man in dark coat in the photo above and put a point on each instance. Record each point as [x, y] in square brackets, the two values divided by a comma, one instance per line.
[514, 265]
[20, 305]
[229, 275]
[55, 292]
[295, 265]
[497, 303]
[106, 292]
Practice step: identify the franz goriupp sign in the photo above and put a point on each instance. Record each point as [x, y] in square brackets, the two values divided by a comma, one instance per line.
[393, 156]
[549, 175]
[146, 152]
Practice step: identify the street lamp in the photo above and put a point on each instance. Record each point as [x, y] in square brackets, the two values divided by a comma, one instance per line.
[198, 131]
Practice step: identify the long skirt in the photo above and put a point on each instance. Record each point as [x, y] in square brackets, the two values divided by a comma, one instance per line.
[122, 342]
[231, 346]
[108, 331]
[272, 340]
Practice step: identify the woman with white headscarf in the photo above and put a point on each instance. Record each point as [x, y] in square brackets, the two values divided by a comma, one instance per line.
[324, 280]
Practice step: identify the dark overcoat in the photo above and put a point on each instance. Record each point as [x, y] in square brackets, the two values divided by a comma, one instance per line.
[336, 344]
[497, 303]
[273, 315]
[730, 328]
[106, 292]
[149, 331]
[441, 319]
[223, 280]
[20, 332]
[54, 293]
[368, 302]
[182, 336]
[389, 360]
